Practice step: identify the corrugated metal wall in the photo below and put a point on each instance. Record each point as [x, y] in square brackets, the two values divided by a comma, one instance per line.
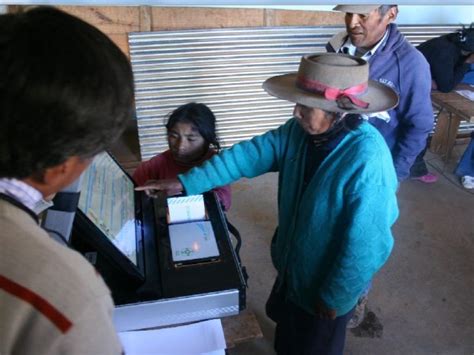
[224, 68]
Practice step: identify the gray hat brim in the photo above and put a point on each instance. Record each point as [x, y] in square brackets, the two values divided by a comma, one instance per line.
[379, 96]
[356, 9]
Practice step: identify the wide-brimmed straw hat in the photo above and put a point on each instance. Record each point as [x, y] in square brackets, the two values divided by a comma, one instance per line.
[333, 82]
[356, 9]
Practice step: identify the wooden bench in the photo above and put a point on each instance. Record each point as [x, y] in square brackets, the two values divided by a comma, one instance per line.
[452, 110]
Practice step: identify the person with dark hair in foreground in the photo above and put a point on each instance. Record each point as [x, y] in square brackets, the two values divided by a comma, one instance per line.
[66, 93]
[192, 139]
[336, 197]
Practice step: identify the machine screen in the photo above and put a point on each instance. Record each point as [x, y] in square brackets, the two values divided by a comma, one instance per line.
[107, 199]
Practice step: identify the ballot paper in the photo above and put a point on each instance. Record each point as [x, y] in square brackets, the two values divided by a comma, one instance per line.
[199, 338]
[468, 94]
[186, 208]
[191, 236]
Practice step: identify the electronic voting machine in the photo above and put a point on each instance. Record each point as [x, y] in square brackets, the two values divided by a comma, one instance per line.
[166, 260]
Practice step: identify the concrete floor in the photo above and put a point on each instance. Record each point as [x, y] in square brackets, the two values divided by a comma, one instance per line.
[424, 295]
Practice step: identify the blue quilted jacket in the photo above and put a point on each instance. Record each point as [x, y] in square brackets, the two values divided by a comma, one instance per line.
[333, 237]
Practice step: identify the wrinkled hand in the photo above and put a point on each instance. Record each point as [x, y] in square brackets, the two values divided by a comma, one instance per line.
[323, 311]
[169, 186]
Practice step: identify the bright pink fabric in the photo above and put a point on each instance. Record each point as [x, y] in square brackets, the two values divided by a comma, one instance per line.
[163, 166]
[334, 94]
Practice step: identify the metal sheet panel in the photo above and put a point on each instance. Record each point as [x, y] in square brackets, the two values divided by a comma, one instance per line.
[225, 68]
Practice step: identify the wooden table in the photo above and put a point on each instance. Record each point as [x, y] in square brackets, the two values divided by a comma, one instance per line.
[453, 108]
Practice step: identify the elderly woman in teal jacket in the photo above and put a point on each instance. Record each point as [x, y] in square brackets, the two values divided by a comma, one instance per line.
[336, 197]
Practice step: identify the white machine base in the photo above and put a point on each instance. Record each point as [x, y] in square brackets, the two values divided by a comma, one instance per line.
[179, 310]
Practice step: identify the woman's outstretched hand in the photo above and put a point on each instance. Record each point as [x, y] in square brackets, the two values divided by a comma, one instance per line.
[169, 186]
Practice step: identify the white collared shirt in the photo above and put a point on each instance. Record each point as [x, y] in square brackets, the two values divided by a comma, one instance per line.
[22, 192]
[349, 48]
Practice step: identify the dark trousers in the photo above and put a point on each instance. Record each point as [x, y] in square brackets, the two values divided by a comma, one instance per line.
[466, 164]
[301, 333]
[419, 167]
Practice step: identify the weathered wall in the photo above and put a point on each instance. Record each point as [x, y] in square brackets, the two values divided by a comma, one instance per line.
[118, 21]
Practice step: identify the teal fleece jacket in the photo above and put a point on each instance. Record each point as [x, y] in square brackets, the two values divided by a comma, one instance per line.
[333, 237]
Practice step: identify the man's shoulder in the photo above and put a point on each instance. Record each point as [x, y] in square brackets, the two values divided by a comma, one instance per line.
[399, 43]
[77, 273]
[416, 61]
[55, 311]
[49, 286]
[30, 254]
[410, 58]
[406, 48]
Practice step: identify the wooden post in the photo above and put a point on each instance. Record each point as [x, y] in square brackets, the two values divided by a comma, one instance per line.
[269, 17]
[445, 134]
[145, 19]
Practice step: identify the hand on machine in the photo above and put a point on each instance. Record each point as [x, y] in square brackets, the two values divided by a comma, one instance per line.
[169, 186]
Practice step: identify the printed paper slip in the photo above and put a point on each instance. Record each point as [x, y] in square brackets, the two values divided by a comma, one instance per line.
[186, 209]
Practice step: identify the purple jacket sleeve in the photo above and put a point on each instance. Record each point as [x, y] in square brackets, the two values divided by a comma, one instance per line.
[414, 114]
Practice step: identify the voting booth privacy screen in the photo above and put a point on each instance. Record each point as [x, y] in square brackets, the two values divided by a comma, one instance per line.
[152, 260]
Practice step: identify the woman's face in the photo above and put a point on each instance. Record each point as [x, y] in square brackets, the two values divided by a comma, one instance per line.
[313, 120]
[186, 143]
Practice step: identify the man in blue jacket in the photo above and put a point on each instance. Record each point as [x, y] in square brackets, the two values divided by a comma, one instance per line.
[336, 197]
[372, 35]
